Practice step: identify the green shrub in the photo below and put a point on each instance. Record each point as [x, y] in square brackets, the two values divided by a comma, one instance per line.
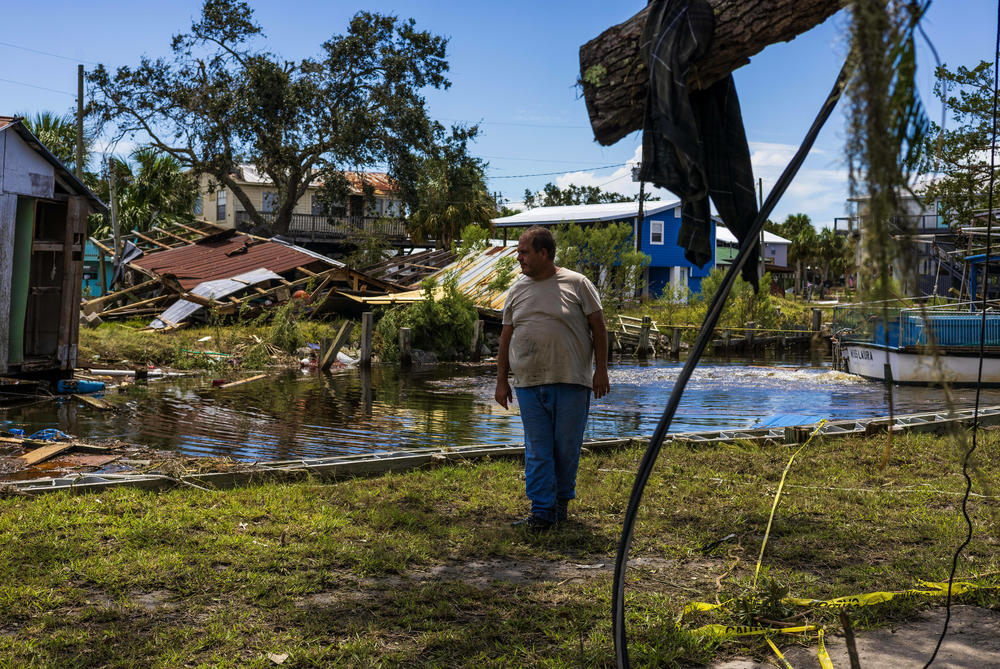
[440, 323]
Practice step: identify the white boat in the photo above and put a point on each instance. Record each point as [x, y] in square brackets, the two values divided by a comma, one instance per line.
[925, 346]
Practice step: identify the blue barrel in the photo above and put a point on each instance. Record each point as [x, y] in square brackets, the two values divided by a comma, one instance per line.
[78, 386]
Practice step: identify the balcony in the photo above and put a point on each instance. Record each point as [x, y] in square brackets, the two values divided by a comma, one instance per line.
[310, 228]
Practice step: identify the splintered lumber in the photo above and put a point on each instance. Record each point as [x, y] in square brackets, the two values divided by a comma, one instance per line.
[613, 71]
[331, 353]
[45, 452]
[95, 402]
[92, 305]
[242, 381]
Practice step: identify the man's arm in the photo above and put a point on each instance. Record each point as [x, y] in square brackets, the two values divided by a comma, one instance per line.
[599, 333]
[503, 394]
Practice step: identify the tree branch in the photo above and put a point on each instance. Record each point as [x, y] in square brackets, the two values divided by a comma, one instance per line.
[614, 75]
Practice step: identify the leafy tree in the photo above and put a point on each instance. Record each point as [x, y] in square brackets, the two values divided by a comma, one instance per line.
[553, 196]
[150, 189]
[803, 250]
[221, 101]
[605, 254]
[449, 191]
[959, 155]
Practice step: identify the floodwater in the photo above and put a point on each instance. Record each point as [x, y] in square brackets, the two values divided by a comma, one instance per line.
[305, 414]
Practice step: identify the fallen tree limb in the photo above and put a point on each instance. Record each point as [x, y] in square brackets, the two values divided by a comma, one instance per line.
[614, 75]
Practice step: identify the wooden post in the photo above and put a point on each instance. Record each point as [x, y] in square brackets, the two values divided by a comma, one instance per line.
[675, 343]
[642, 350]
[612, 342]
[817, 319]
[405, 355]
[477, 341]
[367, 325]
[726, 335]
[330, 354]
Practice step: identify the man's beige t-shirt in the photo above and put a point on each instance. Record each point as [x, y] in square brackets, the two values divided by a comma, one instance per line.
[552, 342]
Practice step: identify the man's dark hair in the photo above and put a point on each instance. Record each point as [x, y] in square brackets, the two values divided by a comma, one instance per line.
[541, 238]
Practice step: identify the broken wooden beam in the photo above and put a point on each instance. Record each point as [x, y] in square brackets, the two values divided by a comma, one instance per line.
[331, 353]
[613, 71]
[45, 452]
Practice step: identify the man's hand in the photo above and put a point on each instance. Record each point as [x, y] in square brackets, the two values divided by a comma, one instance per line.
[503, 394]
[601, 383]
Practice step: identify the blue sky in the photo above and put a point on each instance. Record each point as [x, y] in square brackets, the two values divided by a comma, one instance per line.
[513, 70]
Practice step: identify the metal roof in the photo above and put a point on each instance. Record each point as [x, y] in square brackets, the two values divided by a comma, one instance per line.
[582, 213]
[474, 275]
[181, 310]
[380, 181]
[67, 177]
[724, 236]
[221, 257]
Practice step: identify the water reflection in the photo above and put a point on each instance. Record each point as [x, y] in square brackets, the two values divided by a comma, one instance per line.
[296, 415]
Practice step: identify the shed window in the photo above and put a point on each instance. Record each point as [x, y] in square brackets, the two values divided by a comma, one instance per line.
[220, 205]
[656, 232]
[198, 205]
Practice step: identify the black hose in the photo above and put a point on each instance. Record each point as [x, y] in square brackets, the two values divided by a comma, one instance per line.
[704, 336]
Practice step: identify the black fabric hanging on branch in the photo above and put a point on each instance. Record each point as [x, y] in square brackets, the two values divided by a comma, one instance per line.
[693, 141]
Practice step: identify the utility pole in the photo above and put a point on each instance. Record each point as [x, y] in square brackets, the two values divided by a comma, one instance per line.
[760, 205]
[114, 205]
[79, 122]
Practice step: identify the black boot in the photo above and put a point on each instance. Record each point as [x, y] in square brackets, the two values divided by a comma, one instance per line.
[562, 510]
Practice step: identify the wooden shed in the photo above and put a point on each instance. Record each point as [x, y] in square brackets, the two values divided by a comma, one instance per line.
[43, 228]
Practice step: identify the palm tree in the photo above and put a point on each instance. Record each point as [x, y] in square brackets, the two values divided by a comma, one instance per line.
[58, 134]
[149, 190]
[451, 192]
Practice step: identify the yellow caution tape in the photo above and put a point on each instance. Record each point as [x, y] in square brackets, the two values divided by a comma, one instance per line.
[777, 496]
[870, 598]
[749, 630]
[698, 607]
[824, 657]
[781, 657]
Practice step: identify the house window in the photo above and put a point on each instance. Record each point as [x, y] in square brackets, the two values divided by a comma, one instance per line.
[268, 202]
[656, 232]
[199, 206]
[318, 208]
[220, 205]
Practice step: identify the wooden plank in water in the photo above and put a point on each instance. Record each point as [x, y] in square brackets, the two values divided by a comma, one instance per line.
[46, 452]
[95, 402]
[242, 381]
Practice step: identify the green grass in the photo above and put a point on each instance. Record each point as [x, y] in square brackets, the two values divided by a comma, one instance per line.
[130, 343]
[413, 569]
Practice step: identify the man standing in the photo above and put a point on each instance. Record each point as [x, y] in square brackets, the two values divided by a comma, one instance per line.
[552, 327]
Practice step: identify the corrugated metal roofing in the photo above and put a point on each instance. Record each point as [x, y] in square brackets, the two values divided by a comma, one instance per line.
[207, 260]
[181, 310]
[474, 275]
[582, 213]
[723, 235]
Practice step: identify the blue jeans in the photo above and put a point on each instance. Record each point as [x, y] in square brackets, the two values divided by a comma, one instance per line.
[554, 417]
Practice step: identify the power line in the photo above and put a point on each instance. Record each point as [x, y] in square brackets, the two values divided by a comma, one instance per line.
[547, 174]
[43, 88]
[517, 123]
[48, 53]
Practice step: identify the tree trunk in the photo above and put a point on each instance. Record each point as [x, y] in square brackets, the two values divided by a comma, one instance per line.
[613, 72]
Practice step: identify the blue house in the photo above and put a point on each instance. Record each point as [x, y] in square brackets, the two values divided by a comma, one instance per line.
[655, 235]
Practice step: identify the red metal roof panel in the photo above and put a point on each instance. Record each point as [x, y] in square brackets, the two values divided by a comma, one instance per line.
[207, 260]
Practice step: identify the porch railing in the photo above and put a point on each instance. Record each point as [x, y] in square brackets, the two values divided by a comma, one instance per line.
[319, 228]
